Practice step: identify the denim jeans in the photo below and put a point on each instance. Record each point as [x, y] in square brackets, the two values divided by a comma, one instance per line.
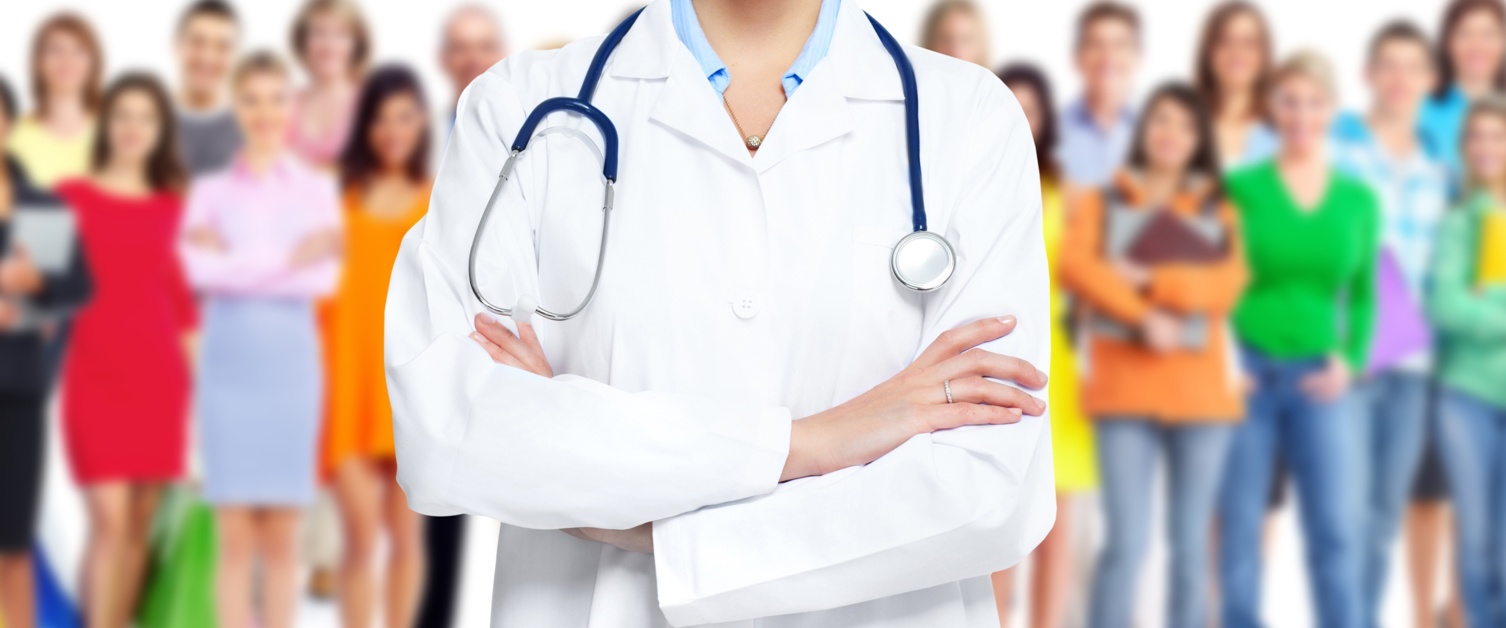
[1127, 453]
[1472, 440]
[1317, 441]
[1391, 428]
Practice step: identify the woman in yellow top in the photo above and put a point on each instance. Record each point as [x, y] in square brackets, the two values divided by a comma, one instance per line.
[385, 172]
[54, 141]
[1071, 434]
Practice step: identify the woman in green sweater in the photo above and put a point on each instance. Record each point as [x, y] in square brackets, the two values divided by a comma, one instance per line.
[1311, 239]
[1467, 301]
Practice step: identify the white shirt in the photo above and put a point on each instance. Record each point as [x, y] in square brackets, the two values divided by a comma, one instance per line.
[740, 292]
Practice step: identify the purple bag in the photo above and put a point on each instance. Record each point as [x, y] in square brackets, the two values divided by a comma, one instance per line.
[1401, 329]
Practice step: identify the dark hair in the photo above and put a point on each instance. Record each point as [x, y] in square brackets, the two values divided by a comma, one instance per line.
[1205, 161]
[358, 162]
[1106, 10]
[208, 8]
[8, 100]
[1032, 78]
[75, 26]
[1452, 17]
[164, 167]
[1398, 31]
[1205, 80]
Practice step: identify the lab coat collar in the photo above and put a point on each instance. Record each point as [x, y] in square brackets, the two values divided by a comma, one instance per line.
[857, 66]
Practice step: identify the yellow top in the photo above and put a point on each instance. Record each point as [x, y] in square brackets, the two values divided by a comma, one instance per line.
[359, 424]
[1071, 433]
[46, 157]
[1492, 264]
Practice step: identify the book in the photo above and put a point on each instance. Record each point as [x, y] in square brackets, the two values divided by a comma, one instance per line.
[1491, 269]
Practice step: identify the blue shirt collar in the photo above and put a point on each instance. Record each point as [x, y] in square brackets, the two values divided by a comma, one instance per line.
[688, 29]
[1078, 114]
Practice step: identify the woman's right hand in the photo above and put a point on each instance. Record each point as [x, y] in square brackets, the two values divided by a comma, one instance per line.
[914, 402]
[317, 247]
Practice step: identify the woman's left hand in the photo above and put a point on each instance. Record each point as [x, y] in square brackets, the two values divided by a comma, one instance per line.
[1330, 383]
[639, 539]
[18, 275]
[523, 351]
[520, 350]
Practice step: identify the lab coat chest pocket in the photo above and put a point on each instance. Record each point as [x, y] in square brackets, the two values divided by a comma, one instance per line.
[881, 309]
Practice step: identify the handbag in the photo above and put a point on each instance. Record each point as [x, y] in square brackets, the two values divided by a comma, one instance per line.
[180, 588]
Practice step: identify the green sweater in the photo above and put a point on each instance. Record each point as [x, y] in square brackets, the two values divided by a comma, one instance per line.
[1312, 272]
[1471, 322]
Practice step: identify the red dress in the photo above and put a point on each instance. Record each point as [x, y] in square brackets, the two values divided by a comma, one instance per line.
[125, 379]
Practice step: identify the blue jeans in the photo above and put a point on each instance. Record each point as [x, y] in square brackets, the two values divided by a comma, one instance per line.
[1472, 441]
[1127, 454]
[1316, 440]
[1391, 428]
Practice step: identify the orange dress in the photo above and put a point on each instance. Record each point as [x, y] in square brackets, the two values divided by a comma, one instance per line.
[359, 420]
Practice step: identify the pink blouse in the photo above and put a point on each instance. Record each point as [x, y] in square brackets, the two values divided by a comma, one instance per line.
[322, 149]
[261, 219]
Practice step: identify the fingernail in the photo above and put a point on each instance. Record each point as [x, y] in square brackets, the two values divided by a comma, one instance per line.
[1042, 376]
[1016, 412]
[475, 336]
[1007, 320]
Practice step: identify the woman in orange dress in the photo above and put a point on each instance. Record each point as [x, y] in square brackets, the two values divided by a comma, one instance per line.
[385, 173]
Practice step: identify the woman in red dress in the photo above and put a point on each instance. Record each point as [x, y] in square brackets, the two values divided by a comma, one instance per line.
[125, 391]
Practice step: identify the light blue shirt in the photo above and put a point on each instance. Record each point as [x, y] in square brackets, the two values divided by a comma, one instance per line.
[1413, 192]
[688, 29]
[1261, 143]
[1442, 121]
[1089, 154]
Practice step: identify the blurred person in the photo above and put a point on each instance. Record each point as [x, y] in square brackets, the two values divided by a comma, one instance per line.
[1161, 380]
[1467, 301]
[260, 241]
[28, 295]
[385, 175]
[1096, 127]
[1076, 470]
[1387, 149]
[1232, 69]
[1312, 236]
[471, 43]
[331, 40]
[125, 379]
[1471, 60]
[54, 141]
[209, 34]
[956, 28]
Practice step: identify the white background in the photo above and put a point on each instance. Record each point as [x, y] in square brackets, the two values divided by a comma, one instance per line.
[137, 34]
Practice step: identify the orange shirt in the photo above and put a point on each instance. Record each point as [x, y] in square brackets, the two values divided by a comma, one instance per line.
[359, 423]
[1125, 379]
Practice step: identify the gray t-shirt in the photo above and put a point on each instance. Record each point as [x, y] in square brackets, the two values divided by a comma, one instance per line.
[209, 141]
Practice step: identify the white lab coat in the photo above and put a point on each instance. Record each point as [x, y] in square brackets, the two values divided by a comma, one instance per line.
[739, 293]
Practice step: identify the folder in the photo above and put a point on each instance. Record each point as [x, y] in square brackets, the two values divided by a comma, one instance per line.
[1492, 263]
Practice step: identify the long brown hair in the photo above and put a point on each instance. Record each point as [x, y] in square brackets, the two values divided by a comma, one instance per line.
[1205, 78]
[72, 25]
[1028, 76]
[358, 161]
[1452, 17]
[164, 167]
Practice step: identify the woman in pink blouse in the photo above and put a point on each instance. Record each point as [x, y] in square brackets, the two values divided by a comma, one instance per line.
[261, 243]
[332, 44]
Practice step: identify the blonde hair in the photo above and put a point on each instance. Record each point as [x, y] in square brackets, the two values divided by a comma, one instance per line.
[259, 62]
[345, 9]
[1493, 105]
[1306, 64]
[931, 29]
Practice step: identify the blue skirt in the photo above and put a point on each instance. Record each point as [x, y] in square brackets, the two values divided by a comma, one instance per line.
[259, 399]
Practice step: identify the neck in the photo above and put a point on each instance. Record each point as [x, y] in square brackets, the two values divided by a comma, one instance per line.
[64, 108]
[1475, 87]
[1236, 105]
[200, 99]
[1161, 184]
[125, 176]
[761, 28]
[1496, 189]
[260, 156]
[1104, 106]
[1303, 157]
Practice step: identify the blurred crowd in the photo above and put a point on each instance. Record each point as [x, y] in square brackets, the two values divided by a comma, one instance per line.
[1263, 297]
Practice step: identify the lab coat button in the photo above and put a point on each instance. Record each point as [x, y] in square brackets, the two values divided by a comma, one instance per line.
[745, 308]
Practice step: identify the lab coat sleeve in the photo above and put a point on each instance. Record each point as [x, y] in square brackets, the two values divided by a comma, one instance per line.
[487, 439]
[939, 509]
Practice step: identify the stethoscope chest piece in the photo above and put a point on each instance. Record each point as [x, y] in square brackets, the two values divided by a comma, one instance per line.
[923, 261]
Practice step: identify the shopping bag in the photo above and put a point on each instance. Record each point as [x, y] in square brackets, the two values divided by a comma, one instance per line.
[180, 587]
[1401, 328]
[54, 609]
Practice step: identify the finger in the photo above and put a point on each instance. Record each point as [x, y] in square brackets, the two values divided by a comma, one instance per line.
[982, 391]
[981, 363]
[948, 416]
[498, 354]
[526, 333]
[503, 337]
[958, 339]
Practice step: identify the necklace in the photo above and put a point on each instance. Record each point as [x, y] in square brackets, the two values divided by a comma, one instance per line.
[753, 141]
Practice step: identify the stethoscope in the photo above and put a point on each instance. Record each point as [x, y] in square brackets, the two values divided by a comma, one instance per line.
[922, 261]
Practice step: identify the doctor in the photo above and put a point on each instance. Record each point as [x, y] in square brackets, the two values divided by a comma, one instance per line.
[753, 422]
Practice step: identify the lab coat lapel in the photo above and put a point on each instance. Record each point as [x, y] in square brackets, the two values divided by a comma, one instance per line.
[690, 106]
